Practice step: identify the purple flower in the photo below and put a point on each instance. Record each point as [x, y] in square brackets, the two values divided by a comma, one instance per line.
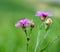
[23, 22]
[42, 14]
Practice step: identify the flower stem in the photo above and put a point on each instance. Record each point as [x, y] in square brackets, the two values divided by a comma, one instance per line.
[37, 43]
[30, 32]
[38, 37]
[50, 42]
[24, 29]
[27, 46]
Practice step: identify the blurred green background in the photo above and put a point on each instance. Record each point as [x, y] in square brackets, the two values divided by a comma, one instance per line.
[13, 39]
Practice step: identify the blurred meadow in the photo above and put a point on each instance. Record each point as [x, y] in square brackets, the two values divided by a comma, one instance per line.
[13, 39]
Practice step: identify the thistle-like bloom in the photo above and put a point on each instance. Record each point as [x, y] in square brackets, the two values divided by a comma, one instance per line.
[43, 15]
[24, 22]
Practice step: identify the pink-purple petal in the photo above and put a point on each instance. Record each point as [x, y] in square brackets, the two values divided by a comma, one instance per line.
[17, 24]
[42, 14]
[23, 22]
[38, 13]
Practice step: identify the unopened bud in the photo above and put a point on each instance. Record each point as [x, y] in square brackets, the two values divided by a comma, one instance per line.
[32, 25]
[28, 38]
[48, 21]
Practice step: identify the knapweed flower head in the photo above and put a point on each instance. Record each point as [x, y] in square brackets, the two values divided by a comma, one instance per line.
[43, 15]
[23, 22]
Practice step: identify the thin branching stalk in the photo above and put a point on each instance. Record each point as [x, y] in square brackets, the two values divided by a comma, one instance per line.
[24, 29]
[30, 32]
[46, 34]
[38, 37]
[27, 46]
[56, 38]
[37, 41]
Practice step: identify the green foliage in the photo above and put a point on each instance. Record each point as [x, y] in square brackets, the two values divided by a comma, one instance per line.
[13, 39]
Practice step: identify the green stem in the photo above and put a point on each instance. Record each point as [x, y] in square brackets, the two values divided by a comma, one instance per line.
[50, 43]
[24, 29]
[25, 32]
[30, 32]
[27, 46]
[38, 37]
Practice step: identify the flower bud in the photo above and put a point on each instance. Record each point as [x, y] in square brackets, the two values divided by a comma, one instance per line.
[28, 38]
[32, 25]
[48, 21]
